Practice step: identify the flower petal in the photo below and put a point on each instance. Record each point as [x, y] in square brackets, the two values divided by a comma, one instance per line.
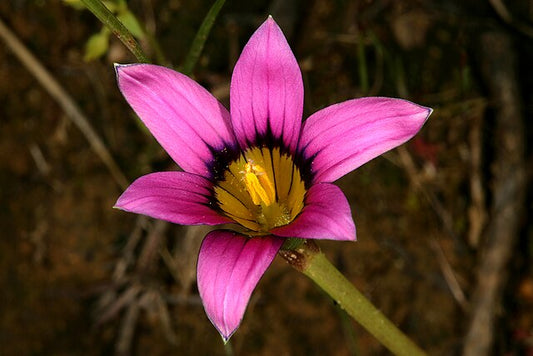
[185, 118]
[326, 215]
[342, 137]
[229, 267]
[267, 89]
[178, 197]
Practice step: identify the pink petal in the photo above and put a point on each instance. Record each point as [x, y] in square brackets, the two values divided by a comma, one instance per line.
[326, 215]
[344, 136]
[267, 89]
[229, 267]
[178, 197]
[184, 117]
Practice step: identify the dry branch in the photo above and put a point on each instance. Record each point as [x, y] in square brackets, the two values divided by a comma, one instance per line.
[508, 184]
[477, 212]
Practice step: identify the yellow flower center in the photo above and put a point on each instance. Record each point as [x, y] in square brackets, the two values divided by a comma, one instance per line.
[261, 190]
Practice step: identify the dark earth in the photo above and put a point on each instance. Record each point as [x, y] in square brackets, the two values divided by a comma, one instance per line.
[80, 278]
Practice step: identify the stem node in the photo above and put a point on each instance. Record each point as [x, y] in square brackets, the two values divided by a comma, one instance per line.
[300, 257]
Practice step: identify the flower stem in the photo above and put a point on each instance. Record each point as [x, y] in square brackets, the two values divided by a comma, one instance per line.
[309, 260]
[200, 38]
[107, 18]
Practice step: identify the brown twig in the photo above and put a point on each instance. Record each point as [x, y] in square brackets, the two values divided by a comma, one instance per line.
[477, 214]
[165, 318]
[508, 168]
[124, 300]
[150, 250]
[504, 13]
[182, 262]
[127, 330]
[449, 274]
[412, 172]
[446, 220]
[128, 258]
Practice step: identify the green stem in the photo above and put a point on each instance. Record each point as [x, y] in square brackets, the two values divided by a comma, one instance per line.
[159, 54]
[309, 260]
[200, 38]
[103, 14]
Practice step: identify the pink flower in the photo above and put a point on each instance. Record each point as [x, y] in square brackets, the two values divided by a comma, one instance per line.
[259, 169]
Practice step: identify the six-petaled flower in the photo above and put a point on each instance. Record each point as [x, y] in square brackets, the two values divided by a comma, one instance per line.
[258, 168]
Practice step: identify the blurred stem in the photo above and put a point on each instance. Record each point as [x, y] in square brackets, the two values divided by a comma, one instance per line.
[200, 38]
[107, 18]
[309, 260]
[159, 54]
[349, 332]
[228, 349]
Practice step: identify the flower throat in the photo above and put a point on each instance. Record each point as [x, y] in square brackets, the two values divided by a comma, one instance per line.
[262, 189]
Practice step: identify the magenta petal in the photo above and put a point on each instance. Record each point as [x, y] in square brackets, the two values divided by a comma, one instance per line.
[344, 136]
[229, 267]
[178, 197]
[267, 89]
[326, 215]
[184, 117]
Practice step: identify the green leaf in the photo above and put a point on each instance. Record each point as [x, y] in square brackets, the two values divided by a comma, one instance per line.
[97, 45]
[131, 23]
[200, 38]
[113, 24]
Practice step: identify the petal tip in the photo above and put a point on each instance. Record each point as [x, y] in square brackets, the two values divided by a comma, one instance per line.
[424, 110]
[429, 110]
[120, 66]
[272, 24]
[423, 116]
[225, 338]
[120, 204]
[119, 70]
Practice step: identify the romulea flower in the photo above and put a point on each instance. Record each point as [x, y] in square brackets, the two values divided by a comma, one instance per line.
[257, 169]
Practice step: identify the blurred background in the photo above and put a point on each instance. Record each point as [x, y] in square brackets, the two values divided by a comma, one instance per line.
[444, 238]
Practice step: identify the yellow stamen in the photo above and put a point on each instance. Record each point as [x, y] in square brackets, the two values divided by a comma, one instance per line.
[258, 185]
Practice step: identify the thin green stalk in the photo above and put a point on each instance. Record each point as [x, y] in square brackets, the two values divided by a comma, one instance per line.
[349, 332]
[107, 18]
[309, 260]
[200, 38]
[159, 54]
